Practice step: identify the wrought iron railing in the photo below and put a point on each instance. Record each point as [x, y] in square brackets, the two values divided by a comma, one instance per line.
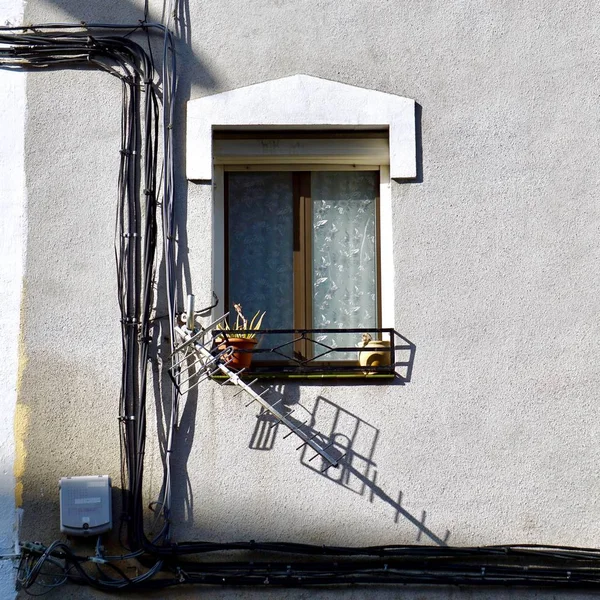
[330, 351]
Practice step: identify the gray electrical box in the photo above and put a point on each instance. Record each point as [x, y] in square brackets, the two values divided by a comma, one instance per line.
[85, 505]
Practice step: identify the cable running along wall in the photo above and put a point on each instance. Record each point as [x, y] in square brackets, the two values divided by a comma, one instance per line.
[139, 197]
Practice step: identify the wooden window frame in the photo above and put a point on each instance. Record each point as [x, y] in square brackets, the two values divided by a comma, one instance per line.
[303, 240]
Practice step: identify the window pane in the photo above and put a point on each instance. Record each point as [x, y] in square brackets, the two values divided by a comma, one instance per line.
[344, 278]
[260, 214]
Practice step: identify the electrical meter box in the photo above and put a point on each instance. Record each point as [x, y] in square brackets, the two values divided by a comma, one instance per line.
[85, 505]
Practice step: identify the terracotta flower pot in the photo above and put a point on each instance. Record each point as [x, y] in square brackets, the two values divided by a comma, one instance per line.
[375, 354]
[241, 358]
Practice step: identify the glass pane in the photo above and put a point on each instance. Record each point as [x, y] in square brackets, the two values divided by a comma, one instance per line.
[261, 251]
[344, 278]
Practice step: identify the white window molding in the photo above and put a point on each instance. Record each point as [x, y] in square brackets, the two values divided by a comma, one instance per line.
[301, 102]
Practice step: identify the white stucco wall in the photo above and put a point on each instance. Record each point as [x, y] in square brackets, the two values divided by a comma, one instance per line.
[12, 211]
[495, 277]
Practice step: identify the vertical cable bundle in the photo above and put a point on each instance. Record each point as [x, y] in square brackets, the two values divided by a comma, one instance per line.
[136, 214]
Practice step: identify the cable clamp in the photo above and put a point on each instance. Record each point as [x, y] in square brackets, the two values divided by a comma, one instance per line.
[130, 322]
[128, 235]
[125, 152]
[148, 192]
[182, 575]
[123, 418]
[33, 546]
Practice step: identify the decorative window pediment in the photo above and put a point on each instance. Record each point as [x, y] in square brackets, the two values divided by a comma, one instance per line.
[301, 102]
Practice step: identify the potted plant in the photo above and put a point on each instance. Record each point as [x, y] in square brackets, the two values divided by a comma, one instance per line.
[241, 336]
[375, 353]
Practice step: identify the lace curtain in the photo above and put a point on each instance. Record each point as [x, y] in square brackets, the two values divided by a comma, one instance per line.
[344, 254]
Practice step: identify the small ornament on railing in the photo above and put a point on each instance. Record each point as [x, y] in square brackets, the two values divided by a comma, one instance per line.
[376, 353]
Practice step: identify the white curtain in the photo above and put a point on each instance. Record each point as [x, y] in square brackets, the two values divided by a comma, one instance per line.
[344, 254]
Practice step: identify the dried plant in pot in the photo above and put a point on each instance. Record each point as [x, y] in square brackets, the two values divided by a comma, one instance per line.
[241, 336]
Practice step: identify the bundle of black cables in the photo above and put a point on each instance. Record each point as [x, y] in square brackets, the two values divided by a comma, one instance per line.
[526, 566]
[96, 45]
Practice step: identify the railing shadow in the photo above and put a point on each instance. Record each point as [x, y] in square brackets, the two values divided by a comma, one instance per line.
[266, 427]
[404, 358]
[353, 442]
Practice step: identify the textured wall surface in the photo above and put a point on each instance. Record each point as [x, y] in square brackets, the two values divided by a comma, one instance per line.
[12, 246]
[496, 278]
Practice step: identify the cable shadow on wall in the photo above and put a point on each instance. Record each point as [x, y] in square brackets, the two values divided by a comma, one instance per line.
[182, 500]
[192, 71]
[195, 72]
[351, 439]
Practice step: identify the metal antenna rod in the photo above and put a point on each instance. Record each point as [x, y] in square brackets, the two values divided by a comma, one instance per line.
[209, 363]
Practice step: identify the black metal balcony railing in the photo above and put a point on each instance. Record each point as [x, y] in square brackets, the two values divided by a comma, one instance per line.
[334, 352]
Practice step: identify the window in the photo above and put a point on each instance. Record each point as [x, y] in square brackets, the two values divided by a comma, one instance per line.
[302, 126]
[303, 245]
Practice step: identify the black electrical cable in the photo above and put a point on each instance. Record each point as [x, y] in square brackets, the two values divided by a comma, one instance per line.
[135, 264]
[449, 570]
